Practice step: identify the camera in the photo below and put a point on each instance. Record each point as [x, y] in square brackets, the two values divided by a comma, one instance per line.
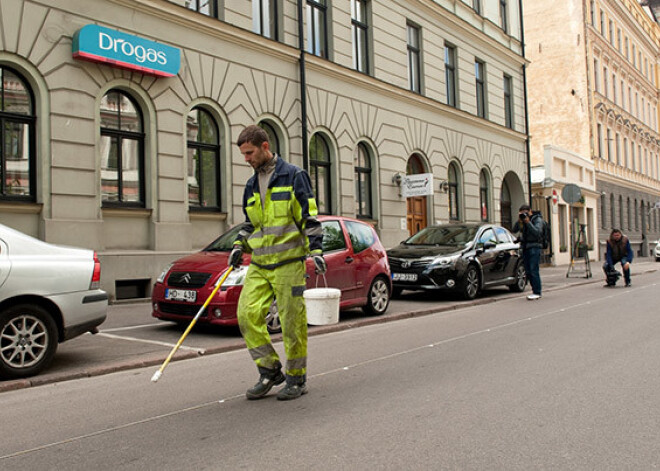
[522, 216]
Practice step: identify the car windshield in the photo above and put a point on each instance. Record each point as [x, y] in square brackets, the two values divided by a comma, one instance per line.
[455, 236]
[225, 242]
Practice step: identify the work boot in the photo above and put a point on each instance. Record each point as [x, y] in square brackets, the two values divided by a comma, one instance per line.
[292, 391]
[265, 384]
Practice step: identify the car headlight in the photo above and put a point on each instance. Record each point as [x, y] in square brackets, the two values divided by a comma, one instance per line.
[444, 261]
[236, 277]
[161, 277]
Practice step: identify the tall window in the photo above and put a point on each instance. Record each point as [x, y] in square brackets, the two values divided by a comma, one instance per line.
[414, 59]
[503, 16]
[479, 74]
[636, 216]
[476, 4]
[484, 193]
[602, 22]
[625, 152]
[618, 149]
[17, 138]
[203, 160]
[592, 12]
[206, 7]
[317, 33]
[360, 27]
[611, 32]
[629, 211]
[621, 212]
[606, 85]
[122, 151]
[508, 103]
[265, 16]
[597, 75]
[610, 156]
[450, 75]
[612, 212]
[319, 171]
[273, 137]
[362, 162]
[603, 222]
[454, 192]
[599, 136]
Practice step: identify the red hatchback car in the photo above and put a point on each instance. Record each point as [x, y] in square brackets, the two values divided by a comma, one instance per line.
[357, 265]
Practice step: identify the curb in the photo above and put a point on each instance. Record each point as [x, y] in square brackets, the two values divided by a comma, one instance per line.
[154, 360]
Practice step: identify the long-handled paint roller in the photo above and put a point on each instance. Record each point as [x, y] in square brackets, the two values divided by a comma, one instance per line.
[222, 279]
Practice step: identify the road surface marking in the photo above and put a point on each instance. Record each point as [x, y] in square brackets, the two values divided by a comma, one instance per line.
[133, 327]
[201, 351]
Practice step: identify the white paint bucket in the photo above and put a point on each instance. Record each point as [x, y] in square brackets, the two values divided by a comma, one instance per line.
[322, 305]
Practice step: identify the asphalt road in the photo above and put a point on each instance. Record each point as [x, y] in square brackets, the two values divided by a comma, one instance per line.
[131, 338]
[568, 382]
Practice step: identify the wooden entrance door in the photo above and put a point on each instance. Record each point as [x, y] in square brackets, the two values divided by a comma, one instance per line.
[416, 214]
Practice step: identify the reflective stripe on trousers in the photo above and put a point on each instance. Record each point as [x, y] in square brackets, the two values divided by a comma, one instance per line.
[258, 290]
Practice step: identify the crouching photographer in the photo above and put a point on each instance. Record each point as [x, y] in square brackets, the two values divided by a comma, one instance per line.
[530, 225]
[618, 251]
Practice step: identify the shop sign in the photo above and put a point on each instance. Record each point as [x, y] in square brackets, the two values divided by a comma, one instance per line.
[420, 184]
[99, 44]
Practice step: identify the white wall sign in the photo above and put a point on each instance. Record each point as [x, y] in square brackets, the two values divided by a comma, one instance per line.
[417, 185]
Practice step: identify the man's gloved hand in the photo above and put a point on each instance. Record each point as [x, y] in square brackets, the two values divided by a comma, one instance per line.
[319, 263]
[236, 256]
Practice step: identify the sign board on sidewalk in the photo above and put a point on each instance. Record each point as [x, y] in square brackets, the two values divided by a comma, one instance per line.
[571, 193]
[417, 185]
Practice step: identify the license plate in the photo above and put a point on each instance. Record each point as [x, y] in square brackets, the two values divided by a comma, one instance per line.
[187, 295]
[404, 276]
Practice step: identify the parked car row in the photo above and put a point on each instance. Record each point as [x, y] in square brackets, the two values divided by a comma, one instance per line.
[50, 293]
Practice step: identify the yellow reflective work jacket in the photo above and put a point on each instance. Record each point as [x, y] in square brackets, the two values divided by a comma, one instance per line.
[283, 228]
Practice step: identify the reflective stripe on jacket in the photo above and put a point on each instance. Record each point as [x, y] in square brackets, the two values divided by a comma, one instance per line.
[284, 228]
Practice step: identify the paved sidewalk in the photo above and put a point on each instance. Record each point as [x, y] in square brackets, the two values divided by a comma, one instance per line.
[90, 355]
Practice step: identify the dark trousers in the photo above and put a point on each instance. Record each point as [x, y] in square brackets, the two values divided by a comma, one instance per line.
[626, 273]
[531, 260]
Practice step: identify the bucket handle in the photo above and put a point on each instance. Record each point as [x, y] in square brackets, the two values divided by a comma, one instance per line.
[324, 279]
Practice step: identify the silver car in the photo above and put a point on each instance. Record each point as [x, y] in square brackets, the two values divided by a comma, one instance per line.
[48, 294]
[656, 251]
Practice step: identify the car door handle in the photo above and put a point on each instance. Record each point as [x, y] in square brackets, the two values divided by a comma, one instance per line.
[349, 260]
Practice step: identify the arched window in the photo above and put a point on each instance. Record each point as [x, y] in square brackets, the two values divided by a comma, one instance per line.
[362, 162]
[273, 138]
[17, 138]
[454, 192]
[203, 138]
[319, 171]
[484, 195]
[122, 151]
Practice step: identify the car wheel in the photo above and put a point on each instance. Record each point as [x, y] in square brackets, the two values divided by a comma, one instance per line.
[396, 293]
[469, 287]
[273, 319]
[521, 280]
[28, 340]
[378, 297]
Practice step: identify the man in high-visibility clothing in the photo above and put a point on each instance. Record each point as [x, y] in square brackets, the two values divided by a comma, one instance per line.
[281, 231]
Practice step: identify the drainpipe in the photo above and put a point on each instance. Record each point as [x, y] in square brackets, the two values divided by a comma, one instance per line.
[524, 73]
[303, 85]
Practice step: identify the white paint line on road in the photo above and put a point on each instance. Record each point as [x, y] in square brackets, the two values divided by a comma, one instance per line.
[201, 351]
[132, 327]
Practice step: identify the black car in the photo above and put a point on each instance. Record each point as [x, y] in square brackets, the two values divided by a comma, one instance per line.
[463, 257]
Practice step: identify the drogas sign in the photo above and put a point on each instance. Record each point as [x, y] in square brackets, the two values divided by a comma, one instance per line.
[99, 44]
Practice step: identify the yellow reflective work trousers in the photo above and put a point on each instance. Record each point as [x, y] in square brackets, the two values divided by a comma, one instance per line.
[286, 283]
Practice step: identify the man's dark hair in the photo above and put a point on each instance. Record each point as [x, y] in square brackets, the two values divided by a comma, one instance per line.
[614, 231]
[525, 207]
[252, 134]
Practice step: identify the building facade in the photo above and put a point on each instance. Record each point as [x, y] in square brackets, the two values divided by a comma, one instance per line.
[593, 94]
[108, 146]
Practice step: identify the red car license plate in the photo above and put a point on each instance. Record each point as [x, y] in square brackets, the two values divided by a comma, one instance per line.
[187, 295]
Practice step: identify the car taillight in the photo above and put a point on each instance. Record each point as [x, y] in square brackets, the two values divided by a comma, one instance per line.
[96, 276]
